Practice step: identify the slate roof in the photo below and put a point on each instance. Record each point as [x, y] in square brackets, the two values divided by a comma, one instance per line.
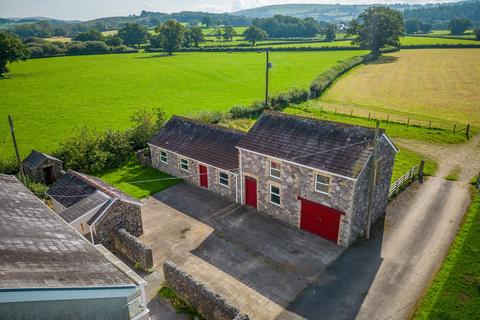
[334, 147]
[83, 206]
[36, 158]
[207, 143]
[74, 186]
[40, 250]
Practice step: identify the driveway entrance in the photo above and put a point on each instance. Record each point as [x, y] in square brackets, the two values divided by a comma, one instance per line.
[256, 263]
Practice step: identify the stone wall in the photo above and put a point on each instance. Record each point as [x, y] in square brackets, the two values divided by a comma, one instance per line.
[206, 302]
[296, 181]
[132, 248]
[38, 174]
[143, 156]
[121, 215]
[172, 167]
[380, 196]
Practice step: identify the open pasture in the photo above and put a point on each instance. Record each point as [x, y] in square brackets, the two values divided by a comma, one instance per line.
[51, 97]
[429, 84]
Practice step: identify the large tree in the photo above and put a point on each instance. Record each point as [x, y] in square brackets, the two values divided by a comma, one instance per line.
[476, 32]
[197, 36]
[92, 35]
[459, 25]
[228, 33]
[133, 34]
[412, 26]
[330, 32]
[376, 28]
[11, 50]
[207, 22]
[254, 34]
[171, 35]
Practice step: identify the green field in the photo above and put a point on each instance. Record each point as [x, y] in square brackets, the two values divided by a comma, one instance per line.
[51, 97]
[455, 291]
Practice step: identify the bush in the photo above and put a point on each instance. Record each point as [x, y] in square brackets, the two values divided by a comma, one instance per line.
[123, 49]
[87, 47]
[76, 48]
[8, 165]
[211, 116]
[325, 79]
[39, 189]
[476, 32]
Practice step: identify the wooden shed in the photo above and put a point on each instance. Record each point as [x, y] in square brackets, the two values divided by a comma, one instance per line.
[43, 168]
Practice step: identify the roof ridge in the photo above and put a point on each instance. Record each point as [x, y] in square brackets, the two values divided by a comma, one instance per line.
[208, 124]
[85, 177]
[286, 115]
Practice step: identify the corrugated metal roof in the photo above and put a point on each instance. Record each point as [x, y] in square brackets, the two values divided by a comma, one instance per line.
[36, 158]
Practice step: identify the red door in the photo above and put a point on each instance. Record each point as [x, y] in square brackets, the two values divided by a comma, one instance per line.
[320, 220]
[251, 192]
[203, 171]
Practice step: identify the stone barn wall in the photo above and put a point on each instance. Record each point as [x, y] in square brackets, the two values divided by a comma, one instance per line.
[132, 248]
[121, 215]
[205, 301]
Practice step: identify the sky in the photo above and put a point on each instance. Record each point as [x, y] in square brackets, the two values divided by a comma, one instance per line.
[91, 9]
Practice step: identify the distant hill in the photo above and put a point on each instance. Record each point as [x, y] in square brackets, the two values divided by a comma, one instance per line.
[320, 12]
[338, 13]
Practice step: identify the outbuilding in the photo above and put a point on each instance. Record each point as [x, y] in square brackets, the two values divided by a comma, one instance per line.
[43, 168]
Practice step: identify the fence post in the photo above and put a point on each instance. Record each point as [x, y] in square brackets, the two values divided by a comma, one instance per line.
[335, 110]
[468, 132]
[454, 128]
[408, 122]
[420, 171]
[388, 118]
[430, 125]
[369, 116]
[351, 113]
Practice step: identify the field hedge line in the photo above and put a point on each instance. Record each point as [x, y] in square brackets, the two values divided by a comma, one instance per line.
[256, 49]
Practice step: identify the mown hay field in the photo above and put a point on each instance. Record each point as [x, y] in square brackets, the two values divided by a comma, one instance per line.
[51, 97]
[441, 85]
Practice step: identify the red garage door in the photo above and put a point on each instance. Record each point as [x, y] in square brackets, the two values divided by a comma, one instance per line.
[320, 220]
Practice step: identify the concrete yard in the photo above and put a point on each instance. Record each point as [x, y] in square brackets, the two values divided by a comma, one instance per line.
[256, 263]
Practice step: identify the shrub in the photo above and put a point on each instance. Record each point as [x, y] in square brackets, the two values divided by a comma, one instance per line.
[146, 122]
[76, 48]
[123, 49]
[96, 47]
[39, 189]
[36, 52]
[210, 116]
[476, 32]
[8, 165]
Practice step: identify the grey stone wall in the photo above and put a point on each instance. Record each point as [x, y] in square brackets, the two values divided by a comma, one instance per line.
[296, 181]
[121, 215]
[192, 176]
[132, 248]
[209, 304]
[38, 175]
[143, 156]
[380, 196]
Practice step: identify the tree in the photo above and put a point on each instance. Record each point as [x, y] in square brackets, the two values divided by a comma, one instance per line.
[376, 28]
[218, 33]
[330, 32]
[171, 35]
[459, 25]
[92, 35]
[425, 27]
[412, 26]
[113, 40]
[228, 33]
[146, 123]
[476, 32]
[11, 50]
[133, 34]
[254, 34]
[207, 22]
[193, 23]
[197, 36]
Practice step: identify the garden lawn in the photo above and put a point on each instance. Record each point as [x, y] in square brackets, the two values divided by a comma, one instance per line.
[455, 291]
[51, 97]
[429, 84]
[134, 179]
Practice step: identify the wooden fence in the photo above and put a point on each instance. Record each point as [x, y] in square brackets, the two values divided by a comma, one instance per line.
[404, 180]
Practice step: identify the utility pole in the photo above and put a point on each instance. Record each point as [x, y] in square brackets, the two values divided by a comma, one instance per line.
[371, 184]
[20, 167]
[268, 66]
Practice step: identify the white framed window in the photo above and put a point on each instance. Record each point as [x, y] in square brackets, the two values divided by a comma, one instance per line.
[275, 195]
[163, 157]
[224, 179]
[322, 184]
[275, 170]
[184, 164]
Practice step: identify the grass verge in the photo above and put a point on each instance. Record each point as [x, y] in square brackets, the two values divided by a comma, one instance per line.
[394, 129]
[454, 174]
[406, 159]
[135, 179]
[178, 304]
[455, 291]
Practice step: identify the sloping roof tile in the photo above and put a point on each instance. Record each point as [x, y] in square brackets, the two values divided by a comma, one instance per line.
[36, 158]
[207, 143]
[84, 206]
[338, 148]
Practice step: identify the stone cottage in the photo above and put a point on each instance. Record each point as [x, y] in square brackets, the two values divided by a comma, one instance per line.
[202, 154]
[43, 168]
[309, 173]
[94, 208]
